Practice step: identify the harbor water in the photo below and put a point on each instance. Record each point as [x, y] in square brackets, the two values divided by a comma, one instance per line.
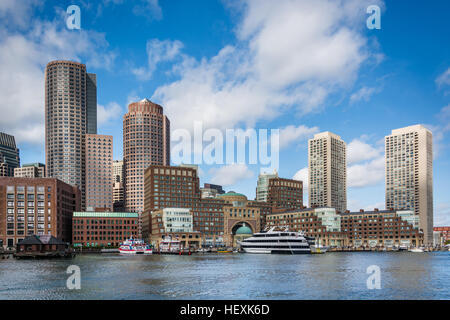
[343, 275]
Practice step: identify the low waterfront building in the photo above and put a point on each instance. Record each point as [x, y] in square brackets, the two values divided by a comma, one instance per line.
[323, 224]
[41, 246]
[41, 206]
[354, 229]
[175, 223]
[382, 228]
[103, 229]
[444, 233]
[30, 170]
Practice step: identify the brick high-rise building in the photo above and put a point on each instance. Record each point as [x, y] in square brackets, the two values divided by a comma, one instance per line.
[285, 193]
[178, 187]
[99, 171]
[9, 155]
[36, 206]
[70, 113]
[146, 141]
[327, 168]
[409, 174]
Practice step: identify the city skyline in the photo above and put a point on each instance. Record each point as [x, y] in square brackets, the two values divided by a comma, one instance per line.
[360, 119]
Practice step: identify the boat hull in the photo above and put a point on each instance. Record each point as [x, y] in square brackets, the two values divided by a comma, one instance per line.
[132, 252]
[276, 251]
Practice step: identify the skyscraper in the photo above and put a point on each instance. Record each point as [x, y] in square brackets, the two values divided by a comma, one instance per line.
[118, 188]
[409, 174]
[9, 155]
[118, 171]
[327, 168]
[262, 186]
[146, 141]
[99, 178]
[91, 99]
[70, 113]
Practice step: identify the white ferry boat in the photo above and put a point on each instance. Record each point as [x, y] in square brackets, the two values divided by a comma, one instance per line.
[276, 240]
[135, 246]
[170, 245]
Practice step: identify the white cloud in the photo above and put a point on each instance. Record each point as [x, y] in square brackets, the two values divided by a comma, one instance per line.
[363, 94]
[16, 13]
[289, 55]
[298, 134]
[157, 52]
[302, 175]
[23, 58]
[440, 131]
[358, 150]
[366, 174]
[149, 9]
[444, 79]
[105, 114]
[442, 214]
[365, 163]
[230, 174]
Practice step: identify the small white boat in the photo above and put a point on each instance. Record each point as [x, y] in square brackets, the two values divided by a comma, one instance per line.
[318, 248]
[134, 246]
[170, 245]
[416, 250]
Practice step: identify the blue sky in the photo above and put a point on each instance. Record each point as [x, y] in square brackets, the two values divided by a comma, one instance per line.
[298, 66]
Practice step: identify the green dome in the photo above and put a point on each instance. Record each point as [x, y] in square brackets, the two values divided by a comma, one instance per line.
[232, 194]
[244, 230]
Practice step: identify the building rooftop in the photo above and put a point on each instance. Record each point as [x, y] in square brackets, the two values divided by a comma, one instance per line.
[298, 210]
[232, 194]
[35, 164]
[43, 239]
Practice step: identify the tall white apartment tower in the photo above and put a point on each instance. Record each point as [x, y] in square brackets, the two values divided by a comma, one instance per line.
[409, 174]
[327, 168]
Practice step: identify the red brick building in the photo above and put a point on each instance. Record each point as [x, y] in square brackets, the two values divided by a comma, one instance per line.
[41, 206]
[94, 229]
[444, 231]
[285, 193]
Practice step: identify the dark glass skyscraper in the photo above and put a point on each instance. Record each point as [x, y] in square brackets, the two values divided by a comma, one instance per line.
[9, 155]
